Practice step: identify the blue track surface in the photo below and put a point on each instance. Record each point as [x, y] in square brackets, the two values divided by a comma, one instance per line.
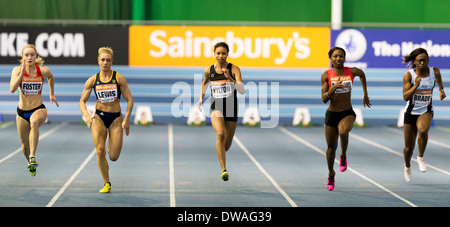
[168, 165]
[163, 88]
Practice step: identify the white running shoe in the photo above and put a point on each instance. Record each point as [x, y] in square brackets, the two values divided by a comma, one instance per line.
[422, 165]
[407, 174]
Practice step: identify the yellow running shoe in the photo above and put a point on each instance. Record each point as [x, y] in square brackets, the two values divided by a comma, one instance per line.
[225, 175]
[106, 188]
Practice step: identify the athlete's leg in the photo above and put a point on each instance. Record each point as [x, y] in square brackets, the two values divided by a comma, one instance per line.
[423, 126]
[230, 129]
[331, 136]
[344, 127]
[218, 123]
[23, 129]
[36, 120]
[410, 133]
[99, 135]
[115, 139]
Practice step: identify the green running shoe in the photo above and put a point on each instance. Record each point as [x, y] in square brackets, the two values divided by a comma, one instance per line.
[33, 162]
[32, 170]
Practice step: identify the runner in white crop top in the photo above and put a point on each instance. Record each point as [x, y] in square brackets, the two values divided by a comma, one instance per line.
[418, 84]
[421, 100]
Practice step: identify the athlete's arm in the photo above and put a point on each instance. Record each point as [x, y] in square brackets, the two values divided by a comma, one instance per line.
[51, 83]
[16, 76]
[326, 93]
[238, 84]
[84, 97]
[409, 90]
[437, 73]
[203, 88]
[362, 78]
[126, 93]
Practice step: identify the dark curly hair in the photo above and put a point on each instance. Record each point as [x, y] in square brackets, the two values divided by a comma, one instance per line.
[412, 56]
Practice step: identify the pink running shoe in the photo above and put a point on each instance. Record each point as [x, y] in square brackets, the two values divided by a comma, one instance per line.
[343, 164]
[330, 183]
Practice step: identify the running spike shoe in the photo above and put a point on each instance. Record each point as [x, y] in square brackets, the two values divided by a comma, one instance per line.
[106, 188]
[330, 183]
[343, 164]
[32, 161]
[407, 173]
[225, 176]
[32, 170]
[422, 165]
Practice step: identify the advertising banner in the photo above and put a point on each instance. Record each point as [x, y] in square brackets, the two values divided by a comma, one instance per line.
[249, 46]
[384, 48]
[68, 45]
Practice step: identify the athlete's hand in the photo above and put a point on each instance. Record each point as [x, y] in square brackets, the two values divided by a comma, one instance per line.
[53, 98]
[339, 84]
[126, 127]
[199, 105]
[417, 81]
[226, 72]
[22, 68]
[442, 95]
[366, 102]
[89, 120]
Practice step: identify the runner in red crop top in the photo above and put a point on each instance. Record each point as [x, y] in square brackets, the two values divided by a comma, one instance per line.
[339, 119]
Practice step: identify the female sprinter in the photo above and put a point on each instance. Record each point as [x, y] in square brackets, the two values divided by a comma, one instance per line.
[225, 80]
[418, 84]
[108, 86]
[28, 79]
[339, 119]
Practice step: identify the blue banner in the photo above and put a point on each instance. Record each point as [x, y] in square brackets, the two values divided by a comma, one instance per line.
[384, 48]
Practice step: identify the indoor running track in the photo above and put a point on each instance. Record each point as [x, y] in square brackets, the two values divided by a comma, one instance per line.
[177, 166]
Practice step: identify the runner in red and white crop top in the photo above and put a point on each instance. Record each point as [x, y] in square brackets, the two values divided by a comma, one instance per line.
[31, 85]
[28, 80]
[337, 84]
[347, 80]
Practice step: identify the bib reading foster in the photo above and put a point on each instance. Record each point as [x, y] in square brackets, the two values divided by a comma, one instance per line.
[107, 91]
[31, 85]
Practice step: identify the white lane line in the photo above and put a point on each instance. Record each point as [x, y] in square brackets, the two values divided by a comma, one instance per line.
[171, 167]
[274, 183]
[401, 153]
[74, 175]
[295, 137]
[6, 124]
[49, 132]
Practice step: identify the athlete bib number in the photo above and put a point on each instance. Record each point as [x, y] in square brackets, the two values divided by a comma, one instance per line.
[106, 92]
[31, 88]
[221, 89]
[346, 81]
[422, 97]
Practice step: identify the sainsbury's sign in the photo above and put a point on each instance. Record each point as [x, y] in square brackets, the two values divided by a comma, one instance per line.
[249, 46]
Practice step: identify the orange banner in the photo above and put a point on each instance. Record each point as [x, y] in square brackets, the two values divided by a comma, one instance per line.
[249, 46]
